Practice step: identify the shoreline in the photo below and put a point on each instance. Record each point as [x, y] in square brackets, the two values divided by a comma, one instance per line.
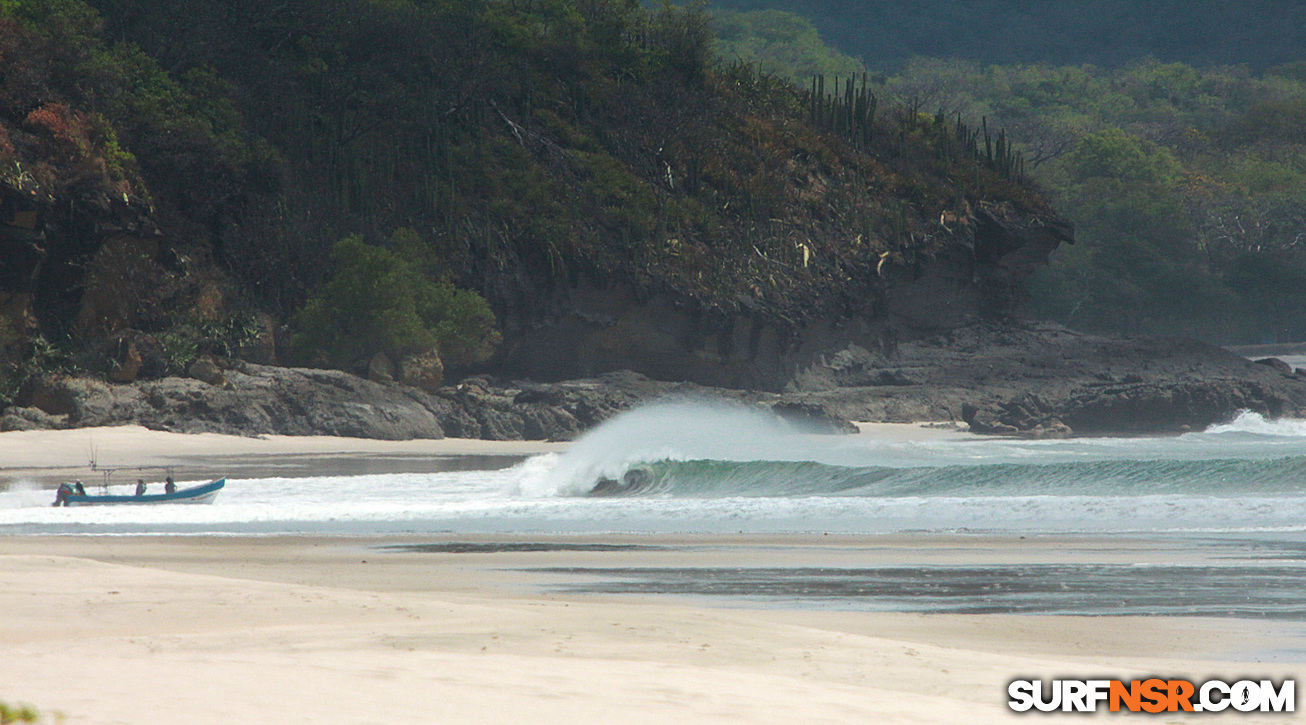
[47, 458]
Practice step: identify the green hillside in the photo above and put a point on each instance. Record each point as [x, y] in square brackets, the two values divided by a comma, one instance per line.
[1185, 182]
[186, 173]
[1187, 187]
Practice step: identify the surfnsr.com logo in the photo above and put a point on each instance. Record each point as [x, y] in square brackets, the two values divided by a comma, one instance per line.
[1152, 695]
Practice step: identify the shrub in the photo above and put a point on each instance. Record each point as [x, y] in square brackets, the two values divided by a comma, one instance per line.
[380, 301]
[18, 713]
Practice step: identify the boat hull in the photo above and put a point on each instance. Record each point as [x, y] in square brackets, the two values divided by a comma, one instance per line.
[194, 495]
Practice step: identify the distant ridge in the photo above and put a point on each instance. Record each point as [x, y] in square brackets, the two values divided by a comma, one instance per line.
[885, 34]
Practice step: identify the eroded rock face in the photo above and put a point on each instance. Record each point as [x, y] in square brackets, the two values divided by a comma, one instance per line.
[1043, 380]
[16, 418]
[255, 400]
[977, 276]
[423, 371]
[380, 369]
[132, 355]
[126, 363]
[205, 369]
[297, 401]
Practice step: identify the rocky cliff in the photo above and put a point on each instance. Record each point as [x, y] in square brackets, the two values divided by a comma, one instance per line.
[976, 275]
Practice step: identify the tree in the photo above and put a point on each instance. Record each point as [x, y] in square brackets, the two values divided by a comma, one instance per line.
[782, 43]
[378, 301]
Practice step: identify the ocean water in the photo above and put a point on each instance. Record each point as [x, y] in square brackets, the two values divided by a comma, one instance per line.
[696, 467]
[1225, 508]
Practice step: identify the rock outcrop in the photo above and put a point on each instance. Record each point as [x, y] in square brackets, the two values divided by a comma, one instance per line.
[1034, 381]
[254, 400]
[1043, 380]
[977, 275]
[257, 399]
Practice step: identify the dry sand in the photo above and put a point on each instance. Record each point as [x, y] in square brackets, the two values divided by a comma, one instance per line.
[50, 457]
[340, 630]
[303, 630]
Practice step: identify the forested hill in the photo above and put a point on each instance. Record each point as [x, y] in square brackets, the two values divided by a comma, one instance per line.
[1109, 33]
[1186, 183]
[309, 180]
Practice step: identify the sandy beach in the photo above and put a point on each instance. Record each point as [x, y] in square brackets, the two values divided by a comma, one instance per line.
[49, 457]
[291, 630]
[490, 628]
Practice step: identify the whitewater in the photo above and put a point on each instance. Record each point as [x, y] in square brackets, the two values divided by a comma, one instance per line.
[715, 468]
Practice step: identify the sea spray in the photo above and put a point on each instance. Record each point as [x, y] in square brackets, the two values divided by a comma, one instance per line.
[679, 431]
[25, 493]
[1248, 422]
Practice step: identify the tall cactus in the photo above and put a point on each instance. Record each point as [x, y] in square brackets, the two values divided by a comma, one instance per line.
[848, 109]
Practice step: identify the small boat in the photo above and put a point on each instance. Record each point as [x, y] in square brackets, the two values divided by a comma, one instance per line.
[204, 493]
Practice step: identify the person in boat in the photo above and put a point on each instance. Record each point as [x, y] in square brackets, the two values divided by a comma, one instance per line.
[140, 487]
[170, 486]
[67, 491]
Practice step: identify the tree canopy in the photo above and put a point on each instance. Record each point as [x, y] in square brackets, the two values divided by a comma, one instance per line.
[1182, 183]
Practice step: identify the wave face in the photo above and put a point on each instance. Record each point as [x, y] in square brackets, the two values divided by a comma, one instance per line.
[1246, 475]
[691, 450]
[1105, 478]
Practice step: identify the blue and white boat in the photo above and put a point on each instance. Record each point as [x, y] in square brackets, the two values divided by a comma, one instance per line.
[204, 493]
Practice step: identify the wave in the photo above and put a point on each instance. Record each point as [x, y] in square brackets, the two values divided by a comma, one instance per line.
[711, 478]
[701, 450]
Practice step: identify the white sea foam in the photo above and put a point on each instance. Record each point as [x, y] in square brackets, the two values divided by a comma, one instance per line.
[1257, 424]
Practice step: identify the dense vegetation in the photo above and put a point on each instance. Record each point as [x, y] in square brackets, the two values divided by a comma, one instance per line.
[887, 33]
[379, 300]
[1187, 184]
[527, 146]
[1187, 187]
[782, 43]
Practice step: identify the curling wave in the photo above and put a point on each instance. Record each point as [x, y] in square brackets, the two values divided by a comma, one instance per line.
[713, 478]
